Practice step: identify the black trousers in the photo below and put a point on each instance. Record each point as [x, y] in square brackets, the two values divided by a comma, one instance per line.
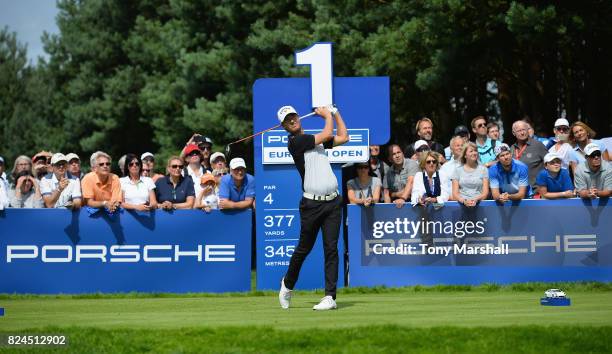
[315, 216]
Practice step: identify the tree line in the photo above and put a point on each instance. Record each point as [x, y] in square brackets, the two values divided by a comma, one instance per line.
[135, 76]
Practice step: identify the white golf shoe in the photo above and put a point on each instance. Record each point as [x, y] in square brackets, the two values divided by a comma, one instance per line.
[327, 303]
[284, 295]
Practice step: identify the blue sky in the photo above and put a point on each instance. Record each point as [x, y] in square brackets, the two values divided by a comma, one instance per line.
[29, 18]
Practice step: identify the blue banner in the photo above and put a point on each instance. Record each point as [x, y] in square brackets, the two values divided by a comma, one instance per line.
[364, 105]
[58, 251]
[534, 240]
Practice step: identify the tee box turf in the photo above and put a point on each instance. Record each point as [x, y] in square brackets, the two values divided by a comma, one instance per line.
[555, 301]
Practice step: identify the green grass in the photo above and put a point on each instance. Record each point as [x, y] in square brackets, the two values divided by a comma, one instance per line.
[424, 319]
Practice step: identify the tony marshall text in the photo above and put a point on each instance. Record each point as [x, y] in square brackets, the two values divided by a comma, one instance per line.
[424, 249]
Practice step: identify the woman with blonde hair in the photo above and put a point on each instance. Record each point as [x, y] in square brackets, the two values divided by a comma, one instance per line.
[470, 179]
[582, 135]
[22, 163]
[430, 187]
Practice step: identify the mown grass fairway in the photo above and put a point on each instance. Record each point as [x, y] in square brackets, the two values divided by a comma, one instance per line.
[450, 319]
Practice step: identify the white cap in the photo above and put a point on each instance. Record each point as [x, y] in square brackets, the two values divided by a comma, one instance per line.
[216, 155]
[147, 154]
[420, 143]
[501, 148]
[561, 122]
[237, 162]
[551, 156]
[57, 158]
[1, 159]
[284, 111]
[72, 156]
[591, 148]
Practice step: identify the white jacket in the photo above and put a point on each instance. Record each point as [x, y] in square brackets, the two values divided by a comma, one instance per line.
[418, 188]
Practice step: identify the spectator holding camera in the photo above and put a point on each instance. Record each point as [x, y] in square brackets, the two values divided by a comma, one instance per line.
[365, 188]
[174, 191]
[554, 181]
[397, 184]
[26, 193]
[60, 189]
[208, 199]
[204, 145]
[593, 177]
[42, 164]
[430, 187]
[508, 178]
[101, 188]
[138, 191]
[471, 179]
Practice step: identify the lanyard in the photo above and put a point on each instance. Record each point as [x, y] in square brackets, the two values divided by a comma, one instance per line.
[519, 153]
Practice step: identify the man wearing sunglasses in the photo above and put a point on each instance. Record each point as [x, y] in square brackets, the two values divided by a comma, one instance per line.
[593, 178]
[101, 188]
[486, 145]
[60, 189]
[204, 145]
[41, 164]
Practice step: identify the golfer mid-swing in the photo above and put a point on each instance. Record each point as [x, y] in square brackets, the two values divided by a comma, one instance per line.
[321, 205]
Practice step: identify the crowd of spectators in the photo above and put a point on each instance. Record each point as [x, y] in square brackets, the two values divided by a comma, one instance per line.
[570, 164]
[196, 179]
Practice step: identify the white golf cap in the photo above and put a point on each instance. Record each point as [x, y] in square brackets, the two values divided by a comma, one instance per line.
[147, 154]
[419, 144]
[561, 122]
[237, 162]
[551, 156]
[284, 111]
[71, 156]
[591, 148]
[216, 155]
[57, 157]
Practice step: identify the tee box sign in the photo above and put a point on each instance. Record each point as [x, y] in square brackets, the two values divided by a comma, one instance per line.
[364, 105]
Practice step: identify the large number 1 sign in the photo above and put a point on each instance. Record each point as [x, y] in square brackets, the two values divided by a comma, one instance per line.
[319, 57]
[364, 103]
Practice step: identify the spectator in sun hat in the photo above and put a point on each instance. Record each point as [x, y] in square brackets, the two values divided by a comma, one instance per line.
[217, 160]
[554, 181]
[508, 178]
[208, 199]
[60, 189]
[419, 147]
[560, 145]
[593, 178]
[26, 193]
[74, 165]
[148, 166]
[41, 164]
[193, 166]
[205, 145]
[462, 132]
[365, 188]
[237, 190]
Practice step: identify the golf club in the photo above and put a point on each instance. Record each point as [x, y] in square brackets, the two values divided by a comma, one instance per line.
[228, 147]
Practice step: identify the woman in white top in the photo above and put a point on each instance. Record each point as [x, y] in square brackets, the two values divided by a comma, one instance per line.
[365, 188]
[430, 187]
[470, 179]
[138, 191]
